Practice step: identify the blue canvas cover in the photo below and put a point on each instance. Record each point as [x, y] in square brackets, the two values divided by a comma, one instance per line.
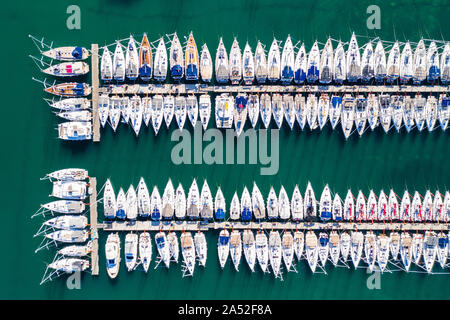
[325, 215]
[191, 72]
[299, 76]
[312, 74]
[220, 214]
[246, 215]
[176, 72]
[156, 215]
[77, 53]
[287, 74]
[145, 71]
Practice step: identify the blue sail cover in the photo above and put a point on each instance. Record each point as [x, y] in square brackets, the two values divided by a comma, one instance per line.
[78, 90]
[323, 242]
[223, 240]
[191, 72]
[299, 76]
[160, 241]
[77, 53]
[325, 215]
[312, 74]
[442, 242]
[433, 73]
[246, 214]
[120, 214]
[176, 72]
[145, 72]
[287, 74]
[446, 102]
[241, 102]
[156, 215]
[220, 214]
[336, 101]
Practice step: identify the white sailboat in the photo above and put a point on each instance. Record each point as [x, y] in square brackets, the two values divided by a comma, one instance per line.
[168, 109]
[119, 63]
[168, 201]
[163, 248]
[297, 205]
[145, 250]
[337, 208]
[420, 63]
[323, 248]
[274, 62]
[287, 62]
[265, 109]
[236, 248]
[193, 201]
[347, 114]
[310, 204]
[106, 65]
[248, 65]
[131, 60]
[367, 63]
[345, 246]
[361, 208]
[188, 252]
[219, 205]
[287, 249]
[312, 73]
[311, 111]
[160, 62]
[206, 67]
[235, 66]
[349, 206]
[406, 252]
[249, 246]
[206, 202]
[235, 208]
[393, 63]
[204, 109]
[370, 249]
[406, 64]
[382, 250]
[284, 209]
[340, 64]
[275, 253]
[272, 204]
[262, 250]
[356, 247]
[260, 64]
[132, 205]
[201, 248]
[289, 110]
[253, 109]
[112, 253]
[380, 62]
[143, 199]
[311, 250]
[131, 246]
[334, 247]
[180, 111]
[385, 111]
[277, 109]
[326, 63]
[157, 113]
[192, 109]
[258, 205]
[299, 244]
[180, 202]
[223, 247]
[430, 246]
[222, 64]
[353, 60]
[325, 204]
[301, 61]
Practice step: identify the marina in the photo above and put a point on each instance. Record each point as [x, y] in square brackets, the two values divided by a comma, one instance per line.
[343, 218]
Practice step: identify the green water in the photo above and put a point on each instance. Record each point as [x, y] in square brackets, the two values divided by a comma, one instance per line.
[30, 147]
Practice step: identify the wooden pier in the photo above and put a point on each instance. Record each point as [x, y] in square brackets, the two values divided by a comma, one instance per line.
[201, 226]
[93, 217]
[95, 90]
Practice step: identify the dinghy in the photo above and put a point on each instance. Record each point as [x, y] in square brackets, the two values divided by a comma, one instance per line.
[420, 63]
[67, 53]
[275, 253]
[301, 63]
[223, 247]
[206, 202]
[222, 64]
[206, 67]
[235, 208]
[168, 109]
[112, 253]
[326, 63]
[130, 251]
[312, 73]
[192, 109]
[176, 59]
[433, 66]
[219, 205]
[132, 206]
[349, 207]
[258, 206]
[334, 110]
[249, 246]
[253, 109]
[131, 60]
[236, 248]
[287, 62]
[201, 248]
[272, 204]
[224, 104]
[406, 253]
[265, 109]
[325, 205]
[143, 199]
[297, 205]
[367, 63]
[160, 64]
[155, 204]
[180, 203]
[204, 109]
[262, 250]
[157, 113]
[192, 203]
[246, 205]
[356, 247]
[145, 61]
[240, 113]
[119, 63]
[168, 201]
[277, 109]
[353, 60]
[274, 62]
[406, 64]
[188, 252]
[340, 64]
[347, 115]
[382, 251]
[310, 205]
[235, 66]
[145, 250]
[284, 209]
[260, 64]
[334, 247]
[287, 249]
[180, 111]
[380, 62]
[393, 63]
[248, 67]
[163, 248]
[337, 209]
[311, 250]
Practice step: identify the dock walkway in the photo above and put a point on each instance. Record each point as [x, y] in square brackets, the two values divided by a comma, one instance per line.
[93, 217]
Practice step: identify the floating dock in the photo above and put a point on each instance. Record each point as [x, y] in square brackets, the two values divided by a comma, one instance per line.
[93, 217]
[95, 90]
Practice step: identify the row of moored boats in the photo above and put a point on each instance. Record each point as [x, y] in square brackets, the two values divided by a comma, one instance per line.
[199, 204]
